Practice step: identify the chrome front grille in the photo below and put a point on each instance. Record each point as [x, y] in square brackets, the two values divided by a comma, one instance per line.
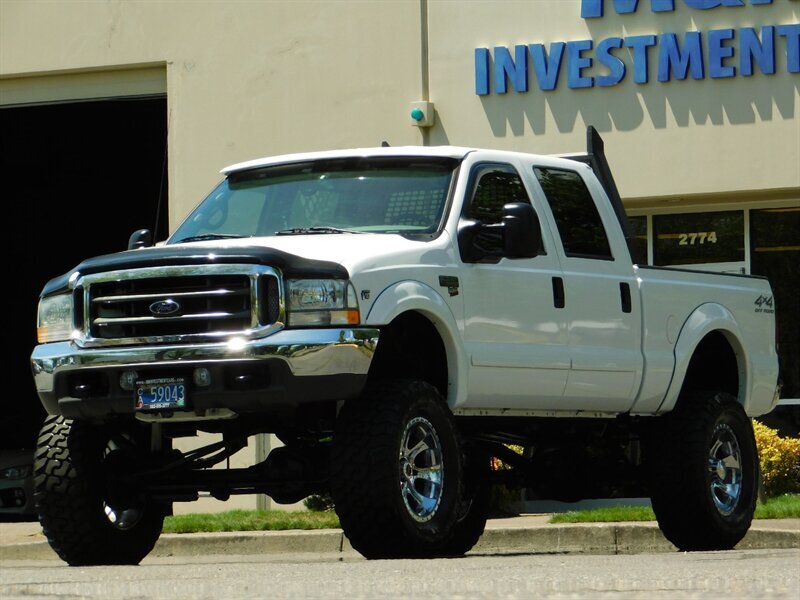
[189, 305]
[169, 304]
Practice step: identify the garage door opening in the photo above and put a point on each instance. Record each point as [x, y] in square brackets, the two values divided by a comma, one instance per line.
[77, 178]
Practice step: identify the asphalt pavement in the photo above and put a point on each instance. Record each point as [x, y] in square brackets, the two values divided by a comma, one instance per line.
[739, 574]
[523, 534]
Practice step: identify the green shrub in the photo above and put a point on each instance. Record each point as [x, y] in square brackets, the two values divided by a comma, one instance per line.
[779, 459]
[503, 499]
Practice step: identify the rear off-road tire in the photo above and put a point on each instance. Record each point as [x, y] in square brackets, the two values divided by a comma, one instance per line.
[703, 464]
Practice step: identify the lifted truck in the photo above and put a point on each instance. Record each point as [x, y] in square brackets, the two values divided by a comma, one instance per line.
[397, 317]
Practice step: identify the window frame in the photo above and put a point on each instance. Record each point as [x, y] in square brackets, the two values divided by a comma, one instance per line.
[477, 171]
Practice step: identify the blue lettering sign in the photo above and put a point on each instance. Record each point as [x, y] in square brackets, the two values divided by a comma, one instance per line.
[615, 65]
[481, 71]
[761, 50]
[547, 67]
[576, 63]
[674, 60]
[640, 44]
[679, 55]
[792, 35]
[594, 9]
[718, 52]
[709, 4]
[515, 70]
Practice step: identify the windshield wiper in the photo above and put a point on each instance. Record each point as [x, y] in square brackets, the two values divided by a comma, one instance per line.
[210, 236]
[306, 230]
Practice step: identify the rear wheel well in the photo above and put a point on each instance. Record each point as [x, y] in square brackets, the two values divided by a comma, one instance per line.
[713, 367]
[410, 347]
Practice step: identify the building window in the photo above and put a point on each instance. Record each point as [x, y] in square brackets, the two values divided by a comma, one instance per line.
[577, 219]
[763, 242]
[698, 238]
[638, 227]
[775, 253]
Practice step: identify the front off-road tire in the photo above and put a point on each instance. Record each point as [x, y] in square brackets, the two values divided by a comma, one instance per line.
[87, 518]
[704, 472]
[396, 471]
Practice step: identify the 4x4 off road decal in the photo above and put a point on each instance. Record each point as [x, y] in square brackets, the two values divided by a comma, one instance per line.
[764, 304]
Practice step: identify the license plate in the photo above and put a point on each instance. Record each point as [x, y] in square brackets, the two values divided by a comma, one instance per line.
[166, 393]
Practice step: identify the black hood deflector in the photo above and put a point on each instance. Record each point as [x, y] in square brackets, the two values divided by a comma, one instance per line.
[290, 264]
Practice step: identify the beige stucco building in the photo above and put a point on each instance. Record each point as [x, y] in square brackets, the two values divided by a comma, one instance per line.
[706, 151]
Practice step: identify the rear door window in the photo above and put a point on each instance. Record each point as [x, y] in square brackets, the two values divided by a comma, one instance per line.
[579, 224]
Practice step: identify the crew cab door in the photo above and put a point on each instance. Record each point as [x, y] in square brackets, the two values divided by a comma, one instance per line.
[600, 293]
[515, 337]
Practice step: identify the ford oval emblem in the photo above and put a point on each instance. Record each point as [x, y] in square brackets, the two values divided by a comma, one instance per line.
[164, 308]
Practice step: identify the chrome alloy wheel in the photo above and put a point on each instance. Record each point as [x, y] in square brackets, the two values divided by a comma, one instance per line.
[421, 472]
[725, 469]
[121, 511]
[123, 519]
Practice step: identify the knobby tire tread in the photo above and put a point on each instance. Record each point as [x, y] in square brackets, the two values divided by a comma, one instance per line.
[68, 492]
[364, 485]
[679, 488]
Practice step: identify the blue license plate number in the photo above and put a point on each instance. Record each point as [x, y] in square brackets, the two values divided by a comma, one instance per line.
[165, 393]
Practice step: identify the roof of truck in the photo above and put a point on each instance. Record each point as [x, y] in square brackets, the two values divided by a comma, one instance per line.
[457, 152]
[434, 151]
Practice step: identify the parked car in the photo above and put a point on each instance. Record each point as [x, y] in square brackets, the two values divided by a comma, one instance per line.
[16, 485]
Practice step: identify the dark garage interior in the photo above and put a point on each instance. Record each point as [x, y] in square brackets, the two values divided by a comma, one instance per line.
[80, 177]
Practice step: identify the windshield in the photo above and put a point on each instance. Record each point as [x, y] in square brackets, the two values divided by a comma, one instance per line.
[361, 195]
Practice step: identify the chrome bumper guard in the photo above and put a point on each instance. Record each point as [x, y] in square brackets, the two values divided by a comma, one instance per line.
[300, 365]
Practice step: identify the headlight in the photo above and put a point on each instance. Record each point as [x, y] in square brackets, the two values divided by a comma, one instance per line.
[54, 322]
[321, 302]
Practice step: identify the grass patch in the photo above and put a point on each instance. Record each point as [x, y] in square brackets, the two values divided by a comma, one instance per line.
[606, 514]
[780, 507]
[251, 520]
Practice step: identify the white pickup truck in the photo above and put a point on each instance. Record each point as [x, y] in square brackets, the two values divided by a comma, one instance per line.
[398, 317]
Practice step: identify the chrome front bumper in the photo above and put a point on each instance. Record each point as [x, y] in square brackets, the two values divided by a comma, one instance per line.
[298, 366]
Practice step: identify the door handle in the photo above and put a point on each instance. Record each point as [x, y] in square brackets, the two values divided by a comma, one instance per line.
[559, 300]
[625, 297]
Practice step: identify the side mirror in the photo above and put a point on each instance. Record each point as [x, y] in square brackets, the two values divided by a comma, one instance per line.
[522, 231]
[518, 235]
[479, 242]
[141, 238]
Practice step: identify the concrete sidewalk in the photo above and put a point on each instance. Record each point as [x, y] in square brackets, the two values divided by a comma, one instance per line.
[523, 534]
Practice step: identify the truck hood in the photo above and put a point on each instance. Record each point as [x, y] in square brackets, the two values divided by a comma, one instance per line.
[317, 255]
[351, 251]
